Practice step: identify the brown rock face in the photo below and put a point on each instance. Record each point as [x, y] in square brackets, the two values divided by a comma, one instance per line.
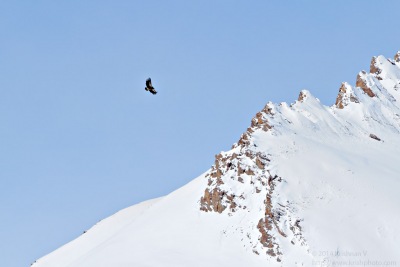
[267, 110]
[257, 120]
[301, 97]
[373, 68]
[260, 121]
[211, 201]
[244, 139]
[363, 85]
[269, 223]
[260, 164]
[341, 98]
[231, 165]
[397, 57]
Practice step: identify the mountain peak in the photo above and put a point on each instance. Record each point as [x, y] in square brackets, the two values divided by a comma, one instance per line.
[305, 184]
[346, 95]
[240, 176]
[303, 95]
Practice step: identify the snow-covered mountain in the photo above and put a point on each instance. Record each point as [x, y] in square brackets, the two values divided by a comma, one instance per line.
[306, 185]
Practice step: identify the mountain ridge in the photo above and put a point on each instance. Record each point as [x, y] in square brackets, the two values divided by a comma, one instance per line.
[275, 196]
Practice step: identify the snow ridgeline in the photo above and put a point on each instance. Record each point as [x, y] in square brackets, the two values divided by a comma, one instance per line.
[242, 180]
[306, 185]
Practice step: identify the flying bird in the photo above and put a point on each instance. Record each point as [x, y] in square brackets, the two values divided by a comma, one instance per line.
[149, 87]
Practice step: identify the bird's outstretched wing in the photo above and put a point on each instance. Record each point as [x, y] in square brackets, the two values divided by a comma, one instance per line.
[148, 83]
[149, 87]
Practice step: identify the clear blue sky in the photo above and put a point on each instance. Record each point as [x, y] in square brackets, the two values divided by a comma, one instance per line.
[81, 139]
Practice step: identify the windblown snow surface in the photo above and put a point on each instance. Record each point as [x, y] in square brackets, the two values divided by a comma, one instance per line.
[306, 185]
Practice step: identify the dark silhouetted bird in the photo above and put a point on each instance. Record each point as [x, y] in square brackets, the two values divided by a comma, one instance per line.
[149, 87]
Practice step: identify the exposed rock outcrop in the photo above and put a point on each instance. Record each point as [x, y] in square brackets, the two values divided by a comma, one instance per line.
[397, 57]
[268, 223]
[213, 200]
[245, 167]
[302, 96]
[373, 136]
[374, 68]
[260, 121]
[345, 95]
[362, 83]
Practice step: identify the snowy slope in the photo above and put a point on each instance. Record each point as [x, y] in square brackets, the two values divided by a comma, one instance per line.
[306, 185]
